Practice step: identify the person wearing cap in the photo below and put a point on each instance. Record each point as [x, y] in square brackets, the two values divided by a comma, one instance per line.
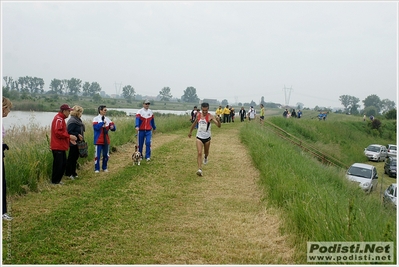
[59, 143]
[145, 124]
[101, 126]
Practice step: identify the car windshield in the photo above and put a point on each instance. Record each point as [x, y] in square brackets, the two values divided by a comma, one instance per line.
[373, 148]
[360, 172]
[393, 162]
[392, 147]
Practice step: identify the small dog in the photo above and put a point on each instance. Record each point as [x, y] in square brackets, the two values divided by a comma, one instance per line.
[136, 157]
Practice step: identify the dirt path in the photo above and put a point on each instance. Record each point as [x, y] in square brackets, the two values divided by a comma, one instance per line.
[220, 218]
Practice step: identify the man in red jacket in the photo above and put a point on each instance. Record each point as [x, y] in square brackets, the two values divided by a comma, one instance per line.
[59, 143]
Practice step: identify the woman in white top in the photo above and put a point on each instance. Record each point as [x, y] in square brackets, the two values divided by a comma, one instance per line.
[203, 141]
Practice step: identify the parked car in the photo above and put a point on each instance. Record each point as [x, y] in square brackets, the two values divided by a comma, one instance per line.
[364, 174]
[390, 195]
[390, 166]
[376, 152]
[391, 150]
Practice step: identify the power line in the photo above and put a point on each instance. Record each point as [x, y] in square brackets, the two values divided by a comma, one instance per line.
[287, 97]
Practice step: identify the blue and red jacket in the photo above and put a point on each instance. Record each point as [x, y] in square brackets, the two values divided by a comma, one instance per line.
[145, 120]
[100, 132]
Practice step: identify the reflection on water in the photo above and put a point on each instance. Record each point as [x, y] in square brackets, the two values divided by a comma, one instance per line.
[37, 119]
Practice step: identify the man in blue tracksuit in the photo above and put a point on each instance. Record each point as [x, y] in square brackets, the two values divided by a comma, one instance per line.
[145, 124]
[101, 127]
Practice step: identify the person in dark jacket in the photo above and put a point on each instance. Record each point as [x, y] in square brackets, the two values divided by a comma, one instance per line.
[59, 143]
[7, 105]
[75, 127]
[242, 113]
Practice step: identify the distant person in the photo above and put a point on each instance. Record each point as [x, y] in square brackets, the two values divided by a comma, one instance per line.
[7, 105]
[299, 114]
[364, 117]
[293, 113]
[226, 114]
[262, 114]
[101, 126]
[75, 127]
[371, 117]
[219, 112]
[145, 125]
[203, 141]
[59, 143]
[232, 114]
[193, 114]
[242, 114]
[251, 113]
[285, 113]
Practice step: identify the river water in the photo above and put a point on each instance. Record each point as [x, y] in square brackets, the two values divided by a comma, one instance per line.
[43, 119]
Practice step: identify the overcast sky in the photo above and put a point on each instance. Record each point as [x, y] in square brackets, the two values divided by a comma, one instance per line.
[239, 51]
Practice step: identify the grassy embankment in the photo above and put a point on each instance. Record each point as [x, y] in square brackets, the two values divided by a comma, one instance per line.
[319, 203]
[315, 202]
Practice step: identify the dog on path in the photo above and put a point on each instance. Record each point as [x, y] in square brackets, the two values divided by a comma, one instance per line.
[136, 157]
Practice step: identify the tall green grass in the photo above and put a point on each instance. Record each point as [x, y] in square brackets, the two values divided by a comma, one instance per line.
[341, 136]
[29, 160]
[318, 202]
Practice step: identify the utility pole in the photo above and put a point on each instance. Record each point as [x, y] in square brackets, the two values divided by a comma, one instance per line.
[287, 98]
[118, 90]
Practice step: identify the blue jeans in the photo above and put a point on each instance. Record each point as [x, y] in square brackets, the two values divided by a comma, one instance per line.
[97, 156]
[145, 135]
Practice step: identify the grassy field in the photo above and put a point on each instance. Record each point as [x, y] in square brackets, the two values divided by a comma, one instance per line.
[259, 202]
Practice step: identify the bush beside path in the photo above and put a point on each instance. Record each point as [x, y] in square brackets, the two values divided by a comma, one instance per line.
[158, 213]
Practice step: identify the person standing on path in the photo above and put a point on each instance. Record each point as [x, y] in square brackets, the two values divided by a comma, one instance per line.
[7, 105]
[203, 140]
[262, 114]
[145, 124]
[226, 114]
[251, 113]
[242, 113]
[101, 126]
[59, 143]
[75, 127]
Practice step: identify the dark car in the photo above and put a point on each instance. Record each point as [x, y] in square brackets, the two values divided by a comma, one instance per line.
[390, 166]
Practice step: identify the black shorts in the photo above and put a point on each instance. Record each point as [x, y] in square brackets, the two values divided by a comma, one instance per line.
[204, 140]
[262, 117]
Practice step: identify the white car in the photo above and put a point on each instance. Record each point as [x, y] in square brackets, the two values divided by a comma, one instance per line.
[364, 174]
[390, 195]
[391, 150]
[376, 152]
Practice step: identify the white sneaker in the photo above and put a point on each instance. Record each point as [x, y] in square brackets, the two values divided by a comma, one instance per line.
[148, 159]
[6, 217]
[199, 172]
[205, 160]
[106, 170]
[96, 171]
[71, 177]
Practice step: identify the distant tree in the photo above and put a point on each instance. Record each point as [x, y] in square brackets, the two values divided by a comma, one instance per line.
[225, 102]
[387, 105]
[86, 89]
[22, 81]
[239, 104]
[370, 111]
[56, 86]
[345, 101]
[165, 94]
[262, 100]
[372, 100]
[8, 81]
[391, 114]
[299, 105]
[128, 92]
[271, 105]
[94, 88]
[190, 95]
[74, 86]
[97, 98]
[253, 103]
